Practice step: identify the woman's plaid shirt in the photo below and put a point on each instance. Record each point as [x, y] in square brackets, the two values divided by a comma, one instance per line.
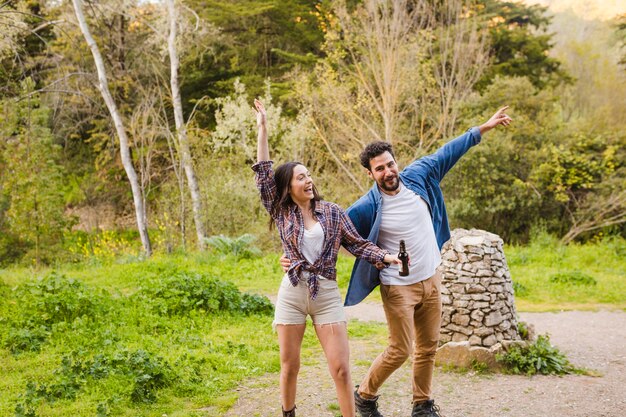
[337, 226]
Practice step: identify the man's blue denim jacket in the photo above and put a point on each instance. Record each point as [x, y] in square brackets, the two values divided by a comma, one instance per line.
[422, 177]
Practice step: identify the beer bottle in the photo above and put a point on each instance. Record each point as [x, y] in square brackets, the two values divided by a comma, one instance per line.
[403, 270]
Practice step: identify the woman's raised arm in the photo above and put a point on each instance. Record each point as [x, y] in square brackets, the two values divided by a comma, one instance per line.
[262, 150]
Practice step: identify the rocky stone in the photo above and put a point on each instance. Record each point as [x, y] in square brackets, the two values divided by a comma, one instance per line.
[484, 356]
[493, 319]
[495, 288]
[489, 341]
[461, 319]
[474, 289]
[450, 256]
[454, 354]
[484, 331]
[459, 337]
[460, 329]
[477, 292]
[507, 345]
[477, 315]
[475, 340]
[472, 257]
[476, 250]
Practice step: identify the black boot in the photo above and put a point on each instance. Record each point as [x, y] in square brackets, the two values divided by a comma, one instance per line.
[365, 407]
[425, 409]
[290, 413]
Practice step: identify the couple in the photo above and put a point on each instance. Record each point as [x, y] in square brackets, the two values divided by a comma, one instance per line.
[406, 205]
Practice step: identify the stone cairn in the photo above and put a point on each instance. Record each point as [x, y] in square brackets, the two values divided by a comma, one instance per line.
[477, 291]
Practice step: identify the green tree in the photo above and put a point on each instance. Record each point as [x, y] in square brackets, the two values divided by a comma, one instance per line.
[32, 177]
[540, 172]
[260, 39]
[586, 174]
[489, 188]
[520, 44]
[26, 27]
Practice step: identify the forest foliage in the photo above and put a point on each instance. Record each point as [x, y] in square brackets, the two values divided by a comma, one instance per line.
[334, 76]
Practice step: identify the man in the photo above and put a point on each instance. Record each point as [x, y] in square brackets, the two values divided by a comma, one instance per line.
[407, 206]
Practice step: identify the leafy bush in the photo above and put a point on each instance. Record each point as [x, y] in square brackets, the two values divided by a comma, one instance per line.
[241, 247]
[522, 330]
[145, 372]
[573, 278]
[255, 303]
[25, 339]
[183, 292]
[44, 304]
[56, 298]
[538, 358]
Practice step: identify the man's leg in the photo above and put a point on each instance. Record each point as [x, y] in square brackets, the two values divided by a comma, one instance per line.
[399, 303]
[427, 321]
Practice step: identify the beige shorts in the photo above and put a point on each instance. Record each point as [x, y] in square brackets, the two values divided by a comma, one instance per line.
[294, 303]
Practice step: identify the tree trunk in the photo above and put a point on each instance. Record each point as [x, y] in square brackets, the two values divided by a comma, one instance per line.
[103, 86]
[181, 127]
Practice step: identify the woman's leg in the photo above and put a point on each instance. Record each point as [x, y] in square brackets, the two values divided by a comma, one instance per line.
[290, 341]
[334, 340]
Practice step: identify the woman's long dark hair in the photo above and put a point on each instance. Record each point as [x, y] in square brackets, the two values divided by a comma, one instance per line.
[282, 177]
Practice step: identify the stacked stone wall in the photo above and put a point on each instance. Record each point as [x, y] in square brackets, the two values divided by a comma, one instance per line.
[477, 291]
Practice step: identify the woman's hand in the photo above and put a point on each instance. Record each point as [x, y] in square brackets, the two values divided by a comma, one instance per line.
[392, 259]
[261, 114]
[285, 263]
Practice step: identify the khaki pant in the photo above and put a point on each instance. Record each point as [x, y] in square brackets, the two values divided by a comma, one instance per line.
[414, 318]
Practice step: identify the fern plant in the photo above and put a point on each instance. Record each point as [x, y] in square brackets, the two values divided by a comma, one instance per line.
[241, 247]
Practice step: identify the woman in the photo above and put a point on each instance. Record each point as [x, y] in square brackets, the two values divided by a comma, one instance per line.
[311, 230]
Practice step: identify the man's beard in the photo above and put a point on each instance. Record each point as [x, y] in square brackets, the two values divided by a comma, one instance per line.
[393, 187]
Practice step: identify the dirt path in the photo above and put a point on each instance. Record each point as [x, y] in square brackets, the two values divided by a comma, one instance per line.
[594, 340]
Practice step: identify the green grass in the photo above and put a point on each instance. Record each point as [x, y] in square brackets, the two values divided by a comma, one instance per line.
[534, 265]
[203, 356]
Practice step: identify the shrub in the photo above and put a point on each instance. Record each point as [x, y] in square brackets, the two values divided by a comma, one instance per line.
[25, 339]
[183, 292]
[44, 304]
[147, 372]
[538, 358]
[573, 278]
[256, 304]
[56, 298]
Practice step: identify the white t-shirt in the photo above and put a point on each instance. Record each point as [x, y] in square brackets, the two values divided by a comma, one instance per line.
[405, 216]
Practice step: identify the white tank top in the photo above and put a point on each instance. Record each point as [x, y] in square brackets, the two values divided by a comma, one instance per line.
[405, 216]
[312, 243]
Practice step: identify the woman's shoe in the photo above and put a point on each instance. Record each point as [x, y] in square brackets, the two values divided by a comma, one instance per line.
[290, 413]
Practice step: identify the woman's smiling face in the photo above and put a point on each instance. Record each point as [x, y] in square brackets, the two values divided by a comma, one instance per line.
[301, 185]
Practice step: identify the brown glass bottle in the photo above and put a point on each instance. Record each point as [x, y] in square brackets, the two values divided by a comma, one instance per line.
[403, 270]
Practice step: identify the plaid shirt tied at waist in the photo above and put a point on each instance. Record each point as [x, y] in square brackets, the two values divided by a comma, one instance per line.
[338, 231]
